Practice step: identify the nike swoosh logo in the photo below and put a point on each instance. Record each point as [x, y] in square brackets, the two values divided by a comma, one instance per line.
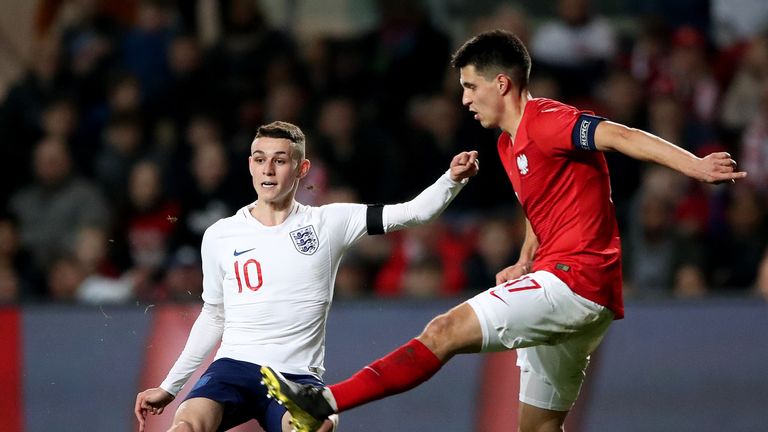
[242, 252]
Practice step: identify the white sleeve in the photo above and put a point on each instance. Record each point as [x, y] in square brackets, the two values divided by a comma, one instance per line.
[213, 276]
[425, 207]
[205, 334]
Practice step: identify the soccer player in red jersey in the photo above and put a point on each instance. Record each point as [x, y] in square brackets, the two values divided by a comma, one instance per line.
[556, 303]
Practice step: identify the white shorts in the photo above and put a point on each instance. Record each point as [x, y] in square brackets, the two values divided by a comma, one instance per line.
[553, 329]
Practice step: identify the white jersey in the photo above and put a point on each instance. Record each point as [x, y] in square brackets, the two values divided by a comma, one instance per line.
[276, 282]
[267, 289]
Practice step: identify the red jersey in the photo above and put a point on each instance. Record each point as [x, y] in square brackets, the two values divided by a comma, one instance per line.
[565, 193]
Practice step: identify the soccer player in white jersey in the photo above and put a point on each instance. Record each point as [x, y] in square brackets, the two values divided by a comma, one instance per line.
[268, 276]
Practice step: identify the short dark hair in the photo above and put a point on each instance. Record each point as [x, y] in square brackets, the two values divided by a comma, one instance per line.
[285, 130]
[493, 52]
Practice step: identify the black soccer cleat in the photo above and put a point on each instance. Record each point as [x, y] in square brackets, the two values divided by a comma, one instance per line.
[305, 402]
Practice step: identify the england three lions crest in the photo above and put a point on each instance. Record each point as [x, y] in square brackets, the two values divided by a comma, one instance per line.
[305, 240]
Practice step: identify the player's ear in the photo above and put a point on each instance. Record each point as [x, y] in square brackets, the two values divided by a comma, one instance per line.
[304, 167]
[503, 83]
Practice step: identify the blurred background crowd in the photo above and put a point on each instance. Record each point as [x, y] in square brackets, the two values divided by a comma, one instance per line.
[126, 134]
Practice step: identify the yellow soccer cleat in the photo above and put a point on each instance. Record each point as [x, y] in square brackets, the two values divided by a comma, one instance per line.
[305, 402]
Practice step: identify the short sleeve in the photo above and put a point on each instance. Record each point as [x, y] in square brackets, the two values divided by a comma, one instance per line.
[550, 126]
[558, 128]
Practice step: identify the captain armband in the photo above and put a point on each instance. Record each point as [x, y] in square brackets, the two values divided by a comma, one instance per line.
[583, 134]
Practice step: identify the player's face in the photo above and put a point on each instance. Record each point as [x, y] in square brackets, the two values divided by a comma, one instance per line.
[275, 172]
[481, 96]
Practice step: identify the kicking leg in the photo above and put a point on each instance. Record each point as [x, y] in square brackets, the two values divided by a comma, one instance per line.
[457, 331]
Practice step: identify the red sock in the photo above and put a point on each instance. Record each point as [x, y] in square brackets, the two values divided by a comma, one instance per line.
[398, 371]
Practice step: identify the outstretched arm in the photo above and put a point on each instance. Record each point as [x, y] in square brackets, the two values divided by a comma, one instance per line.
[464, 165]
[713, 168]
[434, 199]
[205, 334]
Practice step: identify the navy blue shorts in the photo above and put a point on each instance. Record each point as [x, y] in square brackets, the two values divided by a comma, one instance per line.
[237, 385]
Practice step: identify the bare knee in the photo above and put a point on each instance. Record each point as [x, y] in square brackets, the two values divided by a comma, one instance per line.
[457, 331]
[435, 335]
[182, 426]
[197, 415]
[190, 426]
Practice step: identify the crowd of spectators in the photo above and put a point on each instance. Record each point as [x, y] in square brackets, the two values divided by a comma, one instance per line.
[128, 136]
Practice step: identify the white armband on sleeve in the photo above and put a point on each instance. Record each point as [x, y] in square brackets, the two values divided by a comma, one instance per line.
[205, 334]
[425, 207]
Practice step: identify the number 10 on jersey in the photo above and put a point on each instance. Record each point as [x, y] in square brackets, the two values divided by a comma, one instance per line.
[249, 277]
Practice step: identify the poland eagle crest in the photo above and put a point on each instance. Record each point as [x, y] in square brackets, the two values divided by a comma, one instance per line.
[522, 164]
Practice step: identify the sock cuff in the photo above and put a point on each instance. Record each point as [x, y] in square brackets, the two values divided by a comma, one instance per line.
[402, 369]
[420, 351]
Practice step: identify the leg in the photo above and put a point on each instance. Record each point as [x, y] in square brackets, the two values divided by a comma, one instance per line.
[554, 331]
[287, 422]
[533, 310]
[329, 425]
[197, 415]
[550, 380]
[277, 417]
[457, 331]
[535, 419]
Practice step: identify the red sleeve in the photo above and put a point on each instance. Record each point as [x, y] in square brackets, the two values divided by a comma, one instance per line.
[551, 126]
